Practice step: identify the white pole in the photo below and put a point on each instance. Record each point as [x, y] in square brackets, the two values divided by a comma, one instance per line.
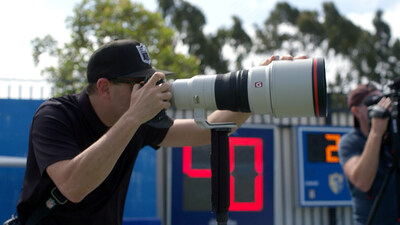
[9, 161]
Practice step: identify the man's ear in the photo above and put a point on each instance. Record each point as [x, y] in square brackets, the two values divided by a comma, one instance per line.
[103, 87]
[355, 111]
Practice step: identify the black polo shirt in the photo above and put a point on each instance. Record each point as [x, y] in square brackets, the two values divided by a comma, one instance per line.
[61, 129]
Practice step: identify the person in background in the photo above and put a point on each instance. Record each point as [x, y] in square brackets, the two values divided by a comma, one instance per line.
[364, 159]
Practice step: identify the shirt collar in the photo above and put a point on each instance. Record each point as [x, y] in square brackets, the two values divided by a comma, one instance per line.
[89, 113]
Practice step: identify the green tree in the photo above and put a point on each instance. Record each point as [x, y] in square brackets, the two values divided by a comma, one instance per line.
[341, 33]
[374, 56]
[95, 22]
[269, 36]
[387, 65]
[189, 22]
[238, 39]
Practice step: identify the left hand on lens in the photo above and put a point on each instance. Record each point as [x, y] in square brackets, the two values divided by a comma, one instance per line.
[285, 57]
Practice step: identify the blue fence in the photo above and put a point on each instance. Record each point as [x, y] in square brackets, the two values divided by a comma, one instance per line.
[15, 120]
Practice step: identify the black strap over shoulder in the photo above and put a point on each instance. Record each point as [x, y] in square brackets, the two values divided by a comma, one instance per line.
[55, 199]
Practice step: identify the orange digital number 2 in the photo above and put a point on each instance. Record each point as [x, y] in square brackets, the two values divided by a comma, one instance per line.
[329, 157]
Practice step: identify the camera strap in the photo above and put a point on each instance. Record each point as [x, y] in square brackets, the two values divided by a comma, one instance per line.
[55, 199]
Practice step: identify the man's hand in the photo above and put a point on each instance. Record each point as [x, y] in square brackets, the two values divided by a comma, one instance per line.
[150, 99]
[379, 125]
[285, 57]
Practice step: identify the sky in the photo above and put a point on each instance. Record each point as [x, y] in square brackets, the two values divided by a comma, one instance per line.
[21, 21]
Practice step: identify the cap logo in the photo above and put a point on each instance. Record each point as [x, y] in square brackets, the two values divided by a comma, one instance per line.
[144, 55]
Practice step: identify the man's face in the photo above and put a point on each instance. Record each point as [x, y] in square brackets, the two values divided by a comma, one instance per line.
[122, 94]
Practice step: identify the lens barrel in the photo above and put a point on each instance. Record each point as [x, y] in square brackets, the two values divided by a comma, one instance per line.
[284, 89]
[319, 87]
[231, 91]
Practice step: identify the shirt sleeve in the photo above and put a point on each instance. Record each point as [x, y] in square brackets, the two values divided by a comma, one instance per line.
[350, 145]
[154, 136]
[52, 137]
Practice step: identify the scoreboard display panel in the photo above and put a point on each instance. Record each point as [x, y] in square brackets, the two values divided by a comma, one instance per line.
[251, 180]
[321, 180]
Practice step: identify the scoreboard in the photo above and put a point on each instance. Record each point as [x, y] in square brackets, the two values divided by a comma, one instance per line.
[321, 181]
[251, 180]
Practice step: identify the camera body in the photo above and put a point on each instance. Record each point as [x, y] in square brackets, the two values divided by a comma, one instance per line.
[392, 136]
[161, 120]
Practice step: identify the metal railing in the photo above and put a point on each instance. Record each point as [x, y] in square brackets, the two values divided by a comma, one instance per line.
[11, 88]
[10, 161]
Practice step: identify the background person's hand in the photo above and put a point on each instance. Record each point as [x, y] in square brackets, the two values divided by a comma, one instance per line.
[379, 125]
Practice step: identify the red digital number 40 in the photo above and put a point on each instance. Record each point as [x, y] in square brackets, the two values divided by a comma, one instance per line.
[257, 145]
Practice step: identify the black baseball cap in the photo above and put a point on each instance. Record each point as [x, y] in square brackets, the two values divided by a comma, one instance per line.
[123, 58]
[357, 96]
[126, 58]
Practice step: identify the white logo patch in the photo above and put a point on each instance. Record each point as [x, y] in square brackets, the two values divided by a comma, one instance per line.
[336, 181]
[143, 53]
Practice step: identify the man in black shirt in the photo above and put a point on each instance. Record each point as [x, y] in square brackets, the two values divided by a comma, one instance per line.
[86, 144]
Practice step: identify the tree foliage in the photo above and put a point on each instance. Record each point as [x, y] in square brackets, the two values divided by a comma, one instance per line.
[189, 21]
[372, 55]
[95, 22]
